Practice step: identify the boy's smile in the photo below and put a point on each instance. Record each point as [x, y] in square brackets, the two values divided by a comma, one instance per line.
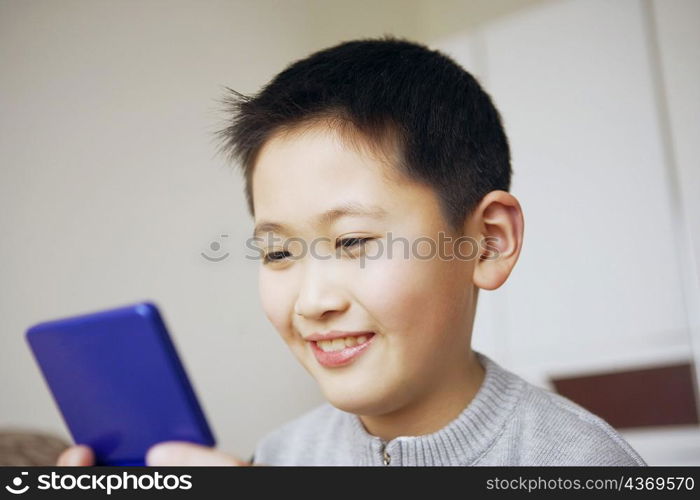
[419, 308]
[339, 348]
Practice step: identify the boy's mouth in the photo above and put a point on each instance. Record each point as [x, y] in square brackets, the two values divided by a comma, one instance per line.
[338, 344]
[341, 350]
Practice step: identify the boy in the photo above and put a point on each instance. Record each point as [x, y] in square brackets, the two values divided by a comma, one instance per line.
[351, 150]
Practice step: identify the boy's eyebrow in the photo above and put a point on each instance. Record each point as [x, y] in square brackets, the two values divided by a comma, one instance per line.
[347, 209]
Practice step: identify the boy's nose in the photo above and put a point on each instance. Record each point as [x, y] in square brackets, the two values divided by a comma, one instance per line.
[319, 293]
[314, 305]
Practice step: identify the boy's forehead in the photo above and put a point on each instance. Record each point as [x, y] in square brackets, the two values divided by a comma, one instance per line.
[303, 149]
[315, 178]
[316, 163]
[327, 143]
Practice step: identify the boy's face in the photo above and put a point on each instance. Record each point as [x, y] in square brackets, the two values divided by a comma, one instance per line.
[420, 307]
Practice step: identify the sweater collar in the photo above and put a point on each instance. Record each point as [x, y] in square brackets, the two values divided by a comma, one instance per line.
[460, 442]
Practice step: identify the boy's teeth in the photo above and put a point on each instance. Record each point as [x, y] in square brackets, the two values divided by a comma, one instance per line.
[341, 343]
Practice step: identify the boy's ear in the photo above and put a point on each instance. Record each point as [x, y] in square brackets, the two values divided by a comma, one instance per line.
[499, 225]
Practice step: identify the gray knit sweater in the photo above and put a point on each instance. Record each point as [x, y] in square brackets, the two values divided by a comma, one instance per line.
[509, 422]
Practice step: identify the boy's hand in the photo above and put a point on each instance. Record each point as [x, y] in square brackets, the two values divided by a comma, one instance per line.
[166, 453]
[78, 456]
[182, 453]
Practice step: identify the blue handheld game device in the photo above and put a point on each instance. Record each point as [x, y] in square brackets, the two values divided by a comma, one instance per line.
[118, 382]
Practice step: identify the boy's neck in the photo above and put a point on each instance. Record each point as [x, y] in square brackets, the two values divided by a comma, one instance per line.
[437, 409]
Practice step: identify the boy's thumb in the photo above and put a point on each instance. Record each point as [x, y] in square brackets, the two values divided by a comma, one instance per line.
[174, 453]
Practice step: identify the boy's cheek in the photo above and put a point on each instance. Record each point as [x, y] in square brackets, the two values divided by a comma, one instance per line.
[275, 300]
[394, 291]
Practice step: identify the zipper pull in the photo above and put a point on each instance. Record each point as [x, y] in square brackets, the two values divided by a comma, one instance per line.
[385, 456]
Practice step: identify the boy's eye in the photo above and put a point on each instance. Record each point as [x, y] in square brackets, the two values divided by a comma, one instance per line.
[344, 243]
[351, 242]
[274, 257]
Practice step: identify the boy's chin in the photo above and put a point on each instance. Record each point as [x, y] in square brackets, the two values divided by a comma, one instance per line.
[359, 400]
[358, 406]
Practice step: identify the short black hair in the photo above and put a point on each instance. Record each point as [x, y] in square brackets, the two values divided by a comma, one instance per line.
[441, 127]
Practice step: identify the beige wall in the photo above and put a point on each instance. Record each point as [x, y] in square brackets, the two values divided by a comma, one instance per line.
[110, 189]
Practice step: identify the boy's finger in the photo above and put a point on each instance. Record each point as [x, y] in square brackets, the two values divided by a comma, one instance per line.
[174, 453]
[76, 456]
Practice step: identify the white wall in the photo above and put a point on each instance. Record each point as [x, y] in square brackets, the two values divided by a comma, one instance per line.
[602, 283]
[676, 47]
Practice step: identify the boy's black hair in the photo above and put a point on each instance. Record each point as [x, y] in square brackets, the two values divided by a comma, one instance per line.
[427, 115]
